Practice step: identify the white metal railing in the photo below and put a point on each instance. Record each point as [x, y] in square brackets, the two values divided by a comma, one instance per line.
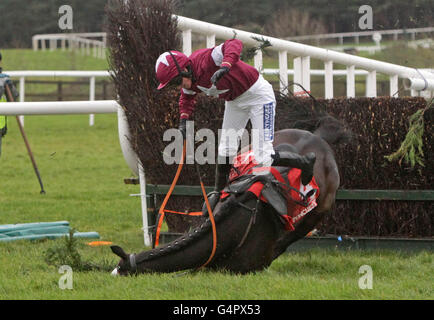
[81, 42]
[58, 107]
[21, 76]
[303, 54]
[92, 75]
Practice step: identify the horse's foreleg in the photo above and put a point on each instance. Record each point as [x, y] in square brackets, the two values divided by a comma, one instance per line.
[301, 230]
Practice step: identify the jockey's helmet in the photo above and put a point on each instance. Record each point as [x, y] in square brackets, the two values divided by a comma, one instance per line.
[169, 65]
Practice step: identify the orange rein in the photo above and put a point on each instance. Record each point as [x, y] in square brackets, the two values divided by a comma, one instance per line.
[162, 210]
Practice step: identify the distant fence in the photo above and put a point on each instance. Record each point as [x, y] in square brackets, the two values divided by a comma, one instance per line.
[84, 43]
[357, 35]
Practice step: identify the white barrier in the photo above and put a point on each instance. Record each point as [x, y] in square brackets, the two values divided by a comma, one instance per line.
[303, 54]
[58, 107]
[22, 75]
[86, 107]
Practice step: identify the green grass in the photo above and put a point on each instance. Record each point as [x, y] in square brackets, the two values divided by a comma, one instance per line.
[27, 59]
[83, 169]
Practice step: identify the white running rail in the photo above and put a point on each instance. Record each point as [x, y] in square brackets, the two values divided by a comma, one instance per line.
[86, 107]
[303, 55]
[92, 75]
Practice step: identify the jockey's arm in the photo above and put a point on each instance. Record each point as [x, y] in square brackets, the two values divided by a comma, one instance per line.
[187, 103]
[231, 52]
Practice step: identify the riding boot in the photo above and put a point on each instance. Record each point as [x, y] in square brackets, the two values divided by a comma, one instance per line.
[221, 177]
[294, 160]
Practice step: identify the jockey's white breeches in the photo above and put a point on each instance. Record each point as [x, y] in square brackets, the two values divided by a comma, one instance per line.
[258, 104]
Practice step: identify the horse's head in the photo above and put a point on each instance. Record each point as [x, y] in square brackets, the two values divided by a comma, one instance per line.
[126, 265]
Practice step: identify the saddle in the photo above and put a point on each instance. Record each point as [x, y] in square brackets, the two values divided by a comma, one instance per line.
[278, 186]
[271, 189]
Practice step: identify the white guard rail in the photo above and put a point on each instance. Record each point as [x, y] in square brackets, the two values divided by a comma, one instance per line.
[92, 75]
[58, 107]
[86, 107]
[303, 54]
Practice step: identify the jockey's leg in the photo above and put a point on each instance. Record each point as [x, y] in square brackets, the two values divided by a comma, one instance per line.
[262, 119]
[234, 122]
[294, 160]
[285, 156]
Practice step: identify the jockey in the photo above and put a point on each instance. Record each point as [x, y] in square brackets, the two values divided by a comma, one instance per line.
[219, 72]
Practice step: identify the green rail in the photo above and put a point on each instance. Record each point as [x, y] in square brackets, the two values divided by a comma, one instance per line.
[342, 194]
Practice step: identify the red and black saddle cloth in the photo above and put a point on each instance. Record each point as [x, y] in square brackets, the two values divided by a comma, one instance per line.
[281, 187]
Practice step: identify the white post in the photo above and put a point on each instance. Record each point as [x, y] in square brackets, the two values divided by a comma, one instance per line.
[92, 98]
[103, 47]
[35, 44]
[210, 40]
[186, 42]
[305, 65]
[257, 60]
[328, 79]
[394, 86]
[22, 95]
[298, 76]
[371, 84]
[283, 71]
[53, 44]
[351, 82]
[142, 180]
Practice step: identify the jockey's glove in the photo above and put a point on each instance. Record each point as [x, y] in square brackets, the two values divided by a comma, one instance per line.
[218, 75]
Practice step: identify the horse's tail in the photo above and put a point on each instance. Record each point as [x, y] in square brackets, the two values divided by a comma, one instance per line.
[311, 115]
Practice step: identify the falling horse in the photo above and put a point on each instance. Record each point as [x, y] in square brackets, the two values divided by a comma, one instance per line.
[249, 232]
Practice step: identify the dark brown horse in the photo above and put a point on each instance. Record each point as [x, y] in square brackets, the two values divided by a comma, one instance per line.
[249, 233]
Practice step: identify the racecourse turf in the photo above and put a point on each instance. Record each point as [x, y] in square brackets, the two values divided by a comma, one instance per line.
[82, 169]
